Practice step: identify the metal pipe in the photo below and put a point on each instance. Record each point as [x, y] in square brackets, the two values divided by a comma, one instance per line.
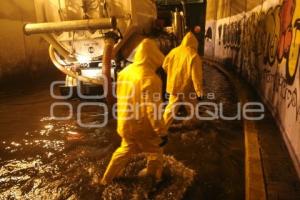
[178, 25]
[183, 3]
[50, 27]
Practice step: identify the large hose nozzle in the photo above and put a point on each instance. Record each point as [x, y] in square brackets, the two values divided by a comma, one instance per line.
[87, 24]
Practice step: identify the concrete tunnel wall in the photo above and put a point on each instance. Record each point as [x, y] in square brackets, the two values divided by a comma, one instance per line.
[262, 40]
[20, 55]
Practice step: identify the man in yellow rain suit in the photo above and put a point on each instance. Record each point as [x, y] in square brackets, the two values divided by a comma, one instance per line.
[183, 66]
[138, 113]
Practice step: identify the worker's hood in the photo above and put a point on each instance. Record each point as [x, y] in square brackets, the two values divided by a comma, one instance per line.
[190, 40]
[149, 55]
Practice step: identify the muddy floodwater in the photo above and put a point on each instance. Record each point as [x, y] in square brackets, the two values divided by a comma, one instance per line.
[44, 158]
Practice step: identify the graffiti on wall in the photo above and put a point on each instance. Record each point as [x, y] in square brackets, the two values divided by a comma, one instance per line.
[287, 43]
[268, 42]
[231, 35]
[273, 34]
[280, 88]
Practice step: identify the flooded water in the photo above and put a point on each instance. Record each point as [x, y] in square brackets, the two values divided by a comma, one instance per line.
[43, 158]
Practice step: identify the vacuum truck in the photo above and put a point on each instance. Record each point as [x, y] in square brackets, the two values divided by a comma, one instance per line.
[91, 40]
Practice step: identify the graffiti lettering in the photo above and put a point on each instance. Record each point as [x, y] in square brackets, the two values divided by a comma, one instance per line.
[290, 96]
[274, 34]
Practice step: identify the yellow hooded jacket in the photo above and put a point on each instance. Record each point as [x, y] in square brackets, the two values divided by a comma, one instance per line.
[139, 92]
[183, 66]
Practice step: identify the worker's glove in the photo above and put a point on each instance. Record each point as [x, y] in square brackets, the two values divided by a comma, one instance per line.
[164, 141]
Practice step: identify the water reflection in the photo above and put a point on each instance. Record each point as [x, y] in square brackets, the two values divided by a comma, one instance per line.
[42, 158]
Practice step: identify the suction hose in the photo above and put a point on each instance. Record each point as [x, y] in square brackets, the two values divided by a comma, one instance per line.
[70, 72]
[106, 69]
[106, 81]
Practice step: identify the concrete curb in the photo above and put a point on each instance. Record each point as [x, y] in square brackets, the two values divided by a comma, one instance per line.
[254, 178]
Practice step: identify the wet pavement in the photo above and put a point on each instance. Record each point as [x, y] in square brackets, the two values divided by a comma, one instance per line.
[43, 158]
